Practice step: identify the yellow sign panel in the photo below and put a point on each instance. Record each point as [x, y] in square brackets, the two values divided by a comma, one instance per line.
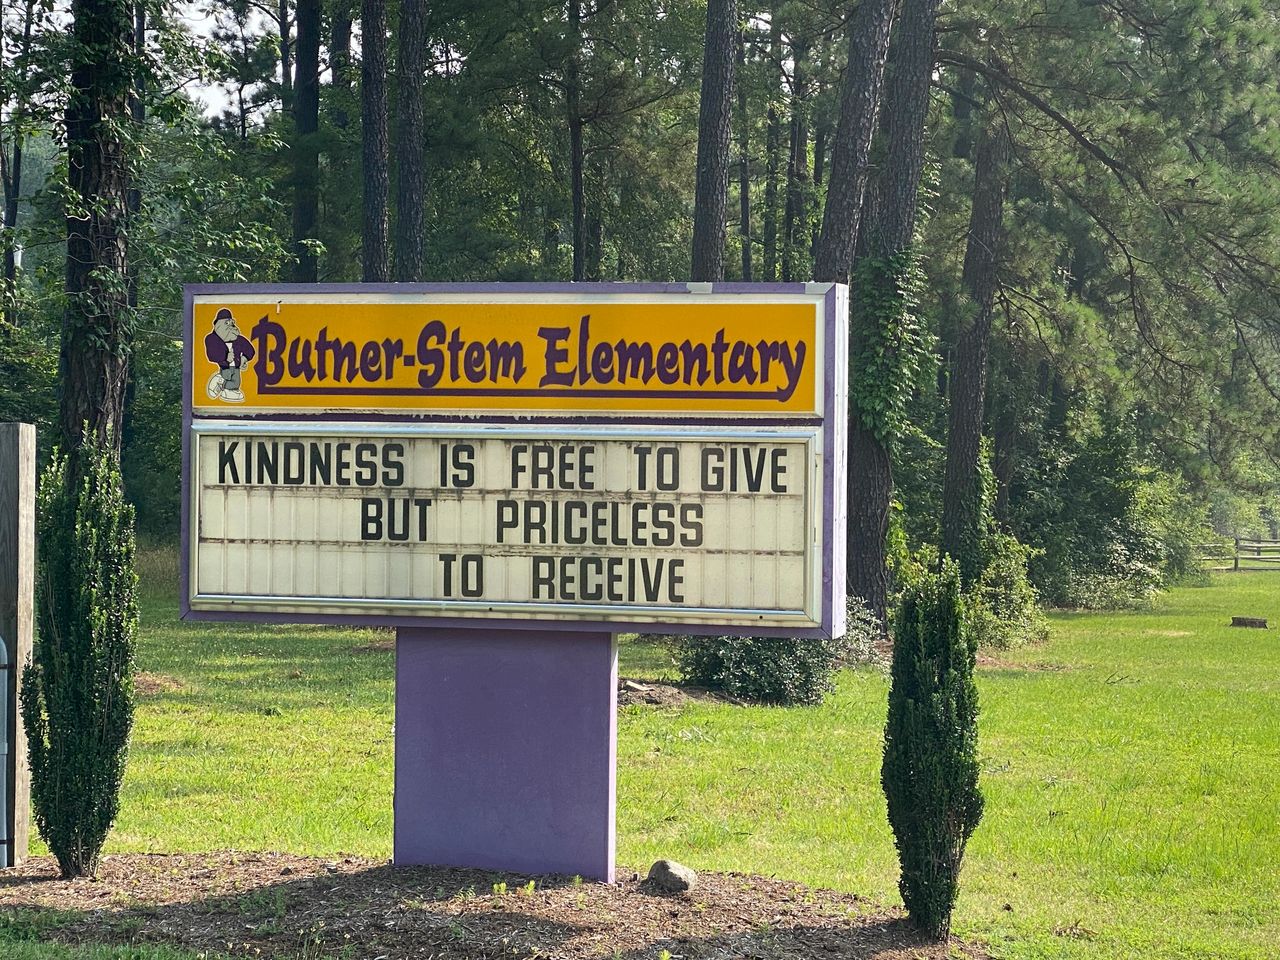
[684, 354]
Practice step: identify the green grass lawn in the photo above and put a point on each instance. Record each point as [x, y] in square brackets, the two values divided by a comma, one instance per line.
[1131, 768]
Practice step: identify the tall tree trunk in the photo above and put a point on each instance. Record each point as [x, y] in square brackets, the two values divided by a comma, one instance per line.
[138, 114]
[593, 221]
[796, 214]
[744, 160]
[772, 149]
[885, 231]
[796, 136]
[97, 329]
[12, 173]
[573, 105]
[962, 489]
[133, 200]
[870, 484]
[340, 60]
[374, 248]
[715, 117]
[286, 56]
[859, 108]
[411, 180]
[962, 110]
[819, 168]
[306, 157]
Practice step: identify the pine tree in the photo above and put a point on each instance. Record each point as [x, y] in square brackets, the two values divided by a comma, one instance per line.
[930, 770]
[77, 695]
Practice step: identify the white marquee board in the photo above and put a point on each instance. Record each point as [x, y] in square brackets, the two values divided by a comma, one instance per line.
[709, 525]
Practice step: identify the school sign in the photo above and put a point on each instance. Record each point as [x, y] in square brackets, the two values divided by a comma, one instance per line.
[509, 475]
[630, 456]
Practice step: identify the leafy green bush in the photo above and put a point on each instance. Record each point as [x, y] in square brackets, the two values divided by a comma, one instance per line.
[786, 671]
[1110, 530]
[930, 769]
[152, 457]
[28, 379]
[779, 670]
[1179, 523]
[1004, 608]
[77, 695]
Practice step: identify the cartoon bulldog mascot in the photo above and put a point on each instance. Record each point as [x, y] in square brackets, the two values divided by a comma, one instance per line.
[231, 351]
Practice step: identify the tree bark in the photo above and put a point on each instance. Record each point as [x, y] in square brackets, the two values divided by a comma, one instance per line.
[819, 168]
[885, 231]
[772, 149]
[962, 490]
[306, 157]
[374, 247]
[1005, 440]
[97, 328]
[859, 108]
[12, 175]
[593, 221]
[340, 60]
[411, 181]
[715, 115]
[744, 160]
[795, 214]
[286, 57]
[573, 105]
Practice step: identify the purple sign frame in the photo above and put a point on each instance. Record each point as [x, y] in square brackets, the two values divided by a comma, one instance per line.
[834, 465]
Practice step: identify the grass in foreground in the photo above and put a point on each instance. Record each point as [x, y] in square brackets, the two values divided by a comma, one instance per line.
[1130, 768]
[49, 951]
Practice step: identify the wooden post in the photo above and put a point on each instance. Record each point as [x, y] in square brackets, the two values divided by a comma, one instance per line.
[1235, 564]
[17, 611]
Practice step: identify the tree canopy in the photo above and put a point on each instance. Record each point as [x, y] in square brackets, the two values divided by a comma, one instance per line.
[1061, 223]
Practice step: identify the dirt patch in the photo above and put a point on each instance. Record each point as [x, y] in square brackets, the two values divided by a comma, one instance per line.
[657, 693]
[149, 684]
[278, 905]
[384, 645]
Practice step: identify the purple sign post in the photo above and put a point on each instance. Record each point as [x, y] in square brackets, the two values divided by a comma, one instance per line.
[509, 475]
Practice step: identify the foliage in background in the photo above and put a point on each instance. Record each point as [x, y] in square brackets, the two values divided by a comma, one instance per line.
[152, 451]
[1004, 608]
[930, 771]
[786, 671]
[888, 361]
[1108, 529]
[1135, 299]
[28, 379]
[77, 694]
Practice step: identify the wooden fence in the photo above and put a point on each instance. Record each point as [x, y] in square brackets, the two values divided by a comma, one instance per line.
[1241, 554]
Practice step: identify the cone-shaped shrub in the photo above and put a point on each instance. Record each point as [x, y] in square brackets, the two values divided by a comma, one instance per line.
[930, 772]
[77, 696]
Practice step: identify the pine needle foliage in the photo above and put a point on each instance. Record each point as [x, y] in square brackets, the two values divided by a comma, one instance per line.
[77, 695]
[930, 771]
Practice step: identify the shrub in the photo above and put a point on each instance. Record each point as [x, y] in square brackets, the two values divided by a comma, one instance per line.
[1003, 607]
[77, 695]
[930, 770]
[779, 670]
[1110, 529]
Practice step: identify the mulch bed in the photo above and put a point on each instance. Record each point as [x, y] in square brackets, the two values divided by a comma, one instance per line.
[281, 906]
[660, 693]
